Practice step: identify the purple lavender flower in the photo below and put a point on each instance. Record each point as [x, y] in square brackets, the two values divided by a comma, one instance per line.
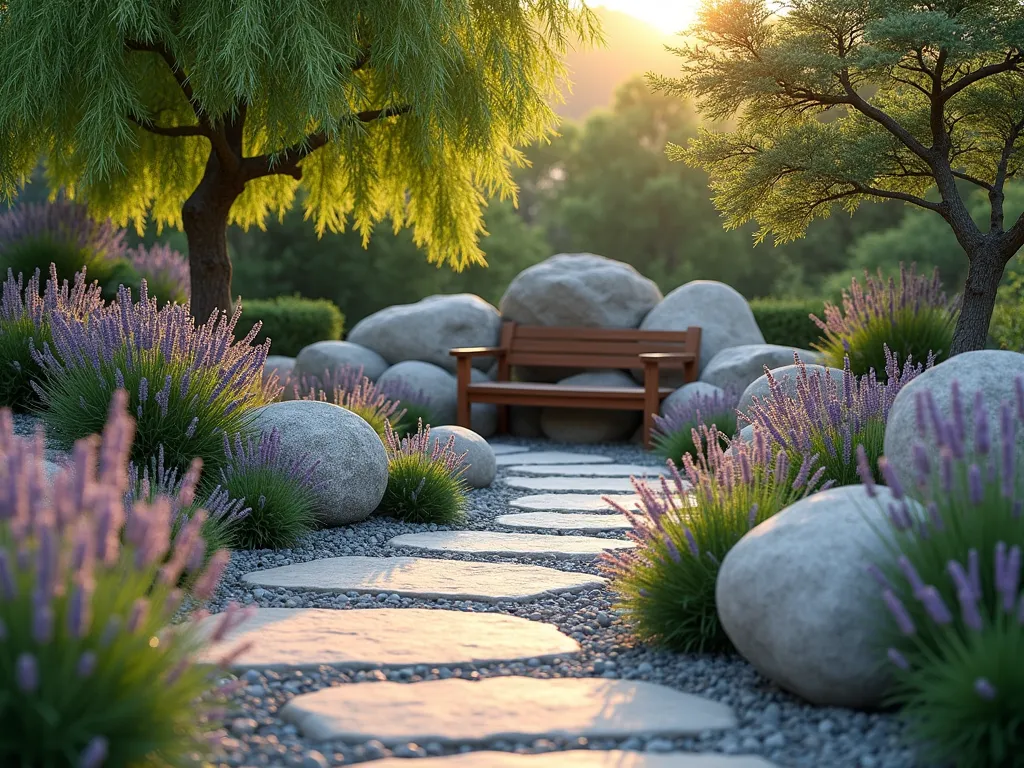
[26, 673]
[898, 659]
[62, 221]
[985, 689]
[899, 612]
[164, 270]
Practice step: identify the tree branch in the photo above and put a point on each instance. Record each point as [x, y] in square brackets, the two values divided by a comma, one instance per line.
[170, 130]
[1015, 235]
[286, 161]
[904, 196]
[1009, 64]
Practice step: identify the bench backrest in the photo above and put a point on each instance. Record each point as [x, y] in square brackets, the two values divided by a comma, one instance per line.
[562, 347]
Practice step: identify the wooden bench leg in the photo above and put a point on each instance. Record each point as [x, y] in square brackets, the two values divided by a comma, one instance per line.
[651, 400]
[503, 419]
[463, 409]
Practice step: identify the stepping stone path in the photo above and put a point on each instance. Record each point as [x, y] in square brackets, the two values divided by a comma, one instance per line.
[425, 578]
[289, 638]
[510, 708]
[580, 758]
[494, 543]
[574, 502]
[591, 470]
[609, 484]
[500, 449]
[550, 457]
[566, 521]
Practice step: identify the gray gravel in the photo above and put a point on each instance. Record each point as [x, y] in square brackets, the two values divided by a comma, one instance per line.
[772, 723]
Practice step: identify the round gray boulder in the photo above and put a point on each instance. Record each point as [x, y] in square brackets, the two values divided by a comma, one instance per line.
[794, 597]
[353, 469]
[689, 392]
[428, 329]
[724, 316]
[787, 377]
[332, 356]
[280, 365]
[989, 371]
[439, 386]
[480, 462]
[582, 290]
[737, 368]
[585, 425]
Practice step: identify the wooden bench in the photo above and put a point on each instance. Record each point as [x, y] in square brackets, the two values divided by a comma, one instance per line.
[540, 346]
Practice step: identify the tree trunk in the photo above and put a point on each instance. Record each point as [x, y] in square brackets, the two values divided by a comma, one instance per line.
[979, 299]
[205, 220]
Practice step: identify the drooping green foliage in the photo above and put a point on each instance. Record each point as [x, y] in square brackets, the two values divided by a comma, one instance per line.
[842, 101]
[425, 479]
[292, 322]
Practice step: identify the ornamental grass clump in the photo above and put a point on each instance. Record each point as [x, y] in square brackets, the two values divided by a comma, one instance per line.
[25, 315]
[673, 433]
[90, 674]
[62, 233]
[830, 418]
[912, 317]
[350, 389]
[188, 384]
[414, 406]
[952, 584]
[425, 482]
[666, 585]
[280, 491]
[165, 272]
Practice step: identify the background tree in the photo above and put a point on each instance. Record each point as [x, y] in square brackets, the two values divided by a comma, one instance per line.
[841, 101]
[203, 112]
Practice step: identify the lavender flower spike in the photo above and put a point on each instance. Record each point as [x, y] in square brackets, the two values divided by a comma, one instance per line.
[899, 612]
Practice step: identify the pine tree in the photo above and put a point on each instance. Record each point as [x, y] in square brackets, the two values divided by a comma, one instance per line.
[201, 113]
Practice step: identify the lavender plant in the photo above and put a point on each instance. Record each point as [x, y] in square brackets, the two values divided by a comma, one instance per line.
[414, 407]
[25, 316]
[350, 389]
[952, 584]
[89, 673]
[666, 584]
[673, 433]
[61, 233]
[831, 419]
[913, 318]
[165, 272]
[188, 384]
[281, 491]
[425, 482]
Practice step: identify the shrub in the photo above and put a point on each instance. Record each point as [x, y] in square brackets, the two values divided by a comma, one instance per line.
[912, 318]
[165, 272]
[1007, 329]
[188, 384]
[787, 321]
[25, 323]
[63, 234]
[674, 433]
[280, 491]
[666, 585]
[425, 484]
[89, 673]
[292, 322]
[952, 584]
[830, 419]
[350, 389]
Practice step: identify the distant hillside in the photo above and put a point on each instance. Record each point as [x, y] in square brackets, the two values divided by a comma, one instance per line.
[632, 48]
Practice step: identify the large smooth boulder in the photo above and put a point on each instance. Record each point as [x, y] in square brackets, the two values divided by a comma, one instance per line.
[437, 384]
[724, 317]
[428, 329]
[586, 425]
[796, 600]
[580, 289]
[280, 365]
[992, 372]
[787, 377]
[353, 469]
[481, 465]
[332, 356]
[689, 392]
[737, 368]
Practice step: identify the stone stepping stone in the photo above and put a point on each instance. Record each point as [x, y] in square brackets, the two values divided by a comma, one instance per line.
[494, 543]
[574, 502]
[501, 449]
[551, 457]
[582, 758]
[591, 470]
[509, 708]
[305, 638]
[609, 484]
[425, 578]
[566, 521]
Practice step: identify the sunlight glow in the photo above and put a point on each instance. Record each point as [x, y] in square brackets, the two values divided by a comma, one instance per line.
[669, 16]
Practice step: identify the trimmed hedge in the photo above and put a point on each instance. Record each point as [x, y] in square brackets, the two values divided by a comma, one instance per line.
[786, 321]
[291, 322]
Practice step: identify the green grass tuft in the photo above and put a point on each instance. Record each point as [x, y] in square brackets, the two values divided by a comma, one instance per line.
[425, 483]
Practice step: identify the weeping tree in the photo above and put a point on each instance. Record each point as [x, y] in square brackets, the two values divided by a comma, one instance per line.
[202, 113]
[835, 102]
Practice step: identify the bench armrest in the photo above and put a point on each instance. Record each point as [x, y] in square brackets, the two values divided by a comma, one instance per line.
[667, 358]
[477, 352]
